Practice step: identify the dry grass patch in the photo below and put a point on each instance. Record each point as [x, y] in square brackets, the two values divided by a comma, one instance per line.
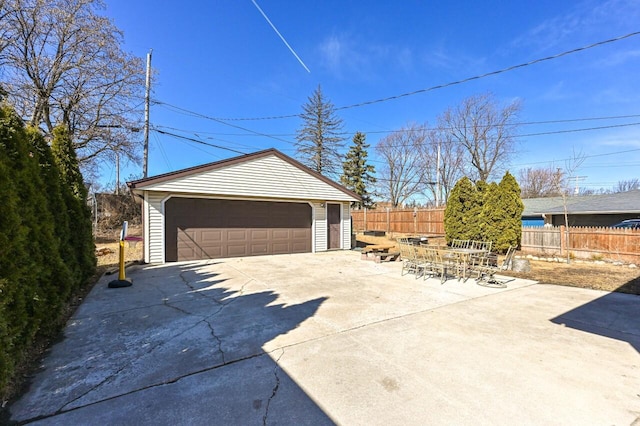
[607, 277]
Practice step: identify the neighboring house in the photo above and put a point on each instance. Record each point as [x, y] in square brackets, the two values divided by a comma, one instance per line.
[588, 210]
[256, 204]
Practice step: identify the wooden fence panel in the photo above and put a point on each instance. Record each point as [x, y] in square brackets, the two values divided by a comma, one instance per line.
[541, 239]
[596, 241]
[584, 242]
[401, 221]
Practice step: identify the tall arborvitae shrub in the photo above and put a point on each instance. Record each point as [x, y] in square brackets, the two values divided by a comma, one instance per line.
[486, 212]
[43, 257]
[491, 214]
[12, 255]
[75, 195]
[20, 272]
[509, 207]
[63, 263]
[457, 214]
[476, 222]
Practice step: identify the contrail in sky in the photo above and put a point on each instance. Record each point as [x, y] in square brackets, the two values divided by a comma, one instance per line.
[280, 35]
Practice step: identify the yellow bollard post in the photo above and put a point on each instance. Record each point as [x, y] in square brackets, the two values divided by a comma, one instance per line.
[121, 275]
[122, 281]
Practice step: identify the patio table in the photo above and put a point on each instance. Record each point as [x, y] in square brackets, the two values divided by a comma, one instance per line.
[465, 256]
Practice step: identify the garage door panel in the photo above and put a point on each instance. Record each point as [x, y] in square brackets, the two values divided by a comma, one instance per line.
[300, 234]
[259, 234]
[186, 244]
[203, 228]
[259, 249]
[234, 235]
[299, 247]
[281, 248]
[237, 250]
[211, 236]
[281, 234]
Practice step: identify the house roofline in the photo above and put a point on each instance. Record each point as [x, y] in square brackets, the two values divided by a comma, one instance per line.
[140, 184]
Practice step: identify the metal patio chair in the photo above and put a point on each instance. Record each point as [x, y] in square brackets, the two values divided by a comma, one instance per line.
[487, 271]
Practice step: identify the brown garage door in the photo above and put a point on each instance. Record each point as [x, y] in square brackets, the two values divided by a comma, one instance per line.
[208, 229]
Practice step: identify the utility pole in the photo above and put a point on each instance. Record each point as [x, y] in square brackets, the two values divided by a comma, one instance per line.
[438, 178]
[145, 160]
[117, 173]
[576, 191]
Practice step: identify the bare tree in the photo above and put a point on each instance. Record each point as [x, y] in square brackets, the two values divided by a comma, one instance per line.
[64, 65]
[486, 131]
[539, 182]
[401, 176]
[439, 177]
[627, 185]
[562, 185]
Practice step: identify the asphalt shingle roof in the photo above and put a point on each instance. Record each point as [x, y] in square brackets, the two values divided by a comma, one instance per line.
[622, 202]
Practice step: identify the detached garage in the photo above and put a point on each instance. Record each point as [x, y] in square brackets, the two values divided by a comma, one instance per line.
[256, 204]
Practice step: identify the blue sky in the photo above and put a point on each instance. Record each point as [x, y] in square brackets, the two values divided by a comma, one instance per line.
[221, 59]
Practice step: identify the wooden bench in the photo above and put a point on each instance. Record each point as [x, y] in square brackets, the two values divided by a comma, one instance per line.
[390, 256]
[378, 251]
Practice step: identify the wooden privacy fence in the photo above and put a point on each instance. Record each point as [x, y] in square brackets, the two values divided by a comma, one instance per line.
[403, 221]
[583, 242]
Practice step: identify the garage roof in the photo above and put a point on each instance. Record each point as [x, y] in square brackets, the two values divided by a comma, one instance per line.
[267, 173]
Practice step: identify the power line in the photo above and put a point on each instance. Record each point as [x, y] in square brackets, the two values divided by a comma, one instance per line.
[555, 132]
[585, 157]
[217, 120]
[425, 128]
[440, 86]
[198, 141]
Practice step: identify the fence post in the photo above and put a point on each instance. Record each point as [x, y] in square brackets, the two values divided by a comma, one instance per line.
[365, 219]
[388, 221]
[563, 246]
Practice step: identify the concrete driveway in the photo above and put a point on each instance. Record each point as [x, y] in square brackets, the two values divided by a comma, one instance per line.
[327, 338]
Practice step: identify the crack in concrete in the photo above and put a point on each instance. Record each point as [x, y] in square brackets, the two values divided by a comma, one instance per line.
[215, 336]
[165, 300]
[207, 319]
[155, 385]
[274, 392]
[153, 348]
[105, 380]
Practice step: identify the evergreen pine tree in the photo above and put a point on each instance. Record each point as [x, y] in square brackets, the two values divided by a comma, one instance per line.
[319, 139]
[357, 175]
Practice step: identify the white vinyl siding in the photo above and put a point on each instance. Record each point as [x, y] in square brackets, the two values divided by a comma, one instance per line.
[320, 227]
[156, 226]
[346, 226]
[264, 177]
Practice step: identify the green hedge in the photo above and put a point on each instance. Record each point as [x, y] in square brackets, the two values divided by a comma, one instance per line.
[485, 212]
[46, 243]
